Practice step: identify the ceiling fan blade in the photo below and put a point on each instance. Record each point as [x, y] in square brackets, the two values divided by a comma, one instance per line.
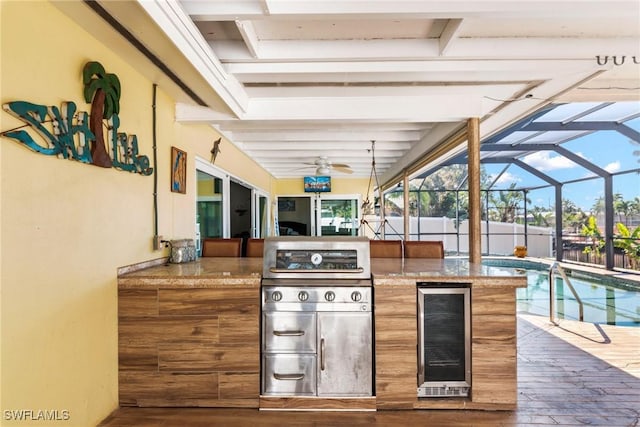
[303, 168]
[342, 168]
[324, 166]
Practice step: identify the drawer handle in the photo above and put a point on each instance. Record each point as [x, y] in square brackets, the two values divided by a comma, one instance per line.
[288, 333]
[288, 377]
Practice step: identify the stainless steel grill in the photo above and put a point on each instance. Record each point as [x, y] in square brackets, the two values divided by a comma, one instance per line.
[316, 258]
[316, 317]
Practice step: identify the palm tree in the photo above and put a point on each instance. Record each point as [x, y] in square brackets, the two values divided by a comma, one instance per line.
[103, 91]
[439, 192]
[541, 216]
[569, 207]
[572, 215]
[622, 207]
[507, 203]
[598, 206]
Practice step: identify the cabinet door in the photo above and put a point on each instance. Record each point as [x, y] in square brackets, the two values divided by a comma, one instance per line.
[344, 354]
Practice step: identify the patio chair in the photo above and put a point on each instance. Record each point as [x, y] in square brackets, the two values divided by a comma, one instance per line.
[222, 247]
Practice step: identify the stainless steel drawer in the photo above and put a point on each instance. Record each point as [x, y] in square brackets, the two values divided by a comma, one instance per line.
[289, 374]
[286, 332]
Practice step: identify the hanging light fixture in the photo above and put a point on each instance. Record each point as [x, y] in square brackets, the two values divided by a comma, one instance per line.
[323, 170]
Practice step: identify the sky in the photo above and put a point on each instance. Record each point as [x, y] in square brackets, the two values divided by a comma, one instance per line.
[610, 150]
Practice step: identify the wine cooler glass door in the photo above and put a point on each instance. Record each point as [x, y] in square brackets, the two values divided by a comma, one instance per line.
[444, 342]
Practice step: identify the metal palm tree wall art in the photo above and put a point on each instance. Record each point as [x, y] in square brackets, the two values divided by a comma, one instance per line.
[68, 133]
[102, 90]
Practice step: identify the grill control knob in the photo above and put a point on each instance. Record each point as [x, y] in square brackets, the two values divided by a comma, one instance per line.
[303, 296]
[276, 296]
[330, 296]
[356, 296]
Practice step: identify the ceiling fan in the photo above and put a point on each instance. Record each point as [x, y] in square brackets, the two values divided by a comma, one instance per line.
[324, 166]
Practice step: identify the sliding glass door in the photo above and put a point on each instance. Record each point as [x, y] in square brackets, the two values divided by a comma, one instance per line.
[228, 207]
[338, 215]
[211, 205]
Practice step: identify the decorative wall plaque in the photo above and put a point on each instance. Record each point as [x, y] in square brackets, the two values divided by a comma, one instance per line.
[71, 134]
[178, 170]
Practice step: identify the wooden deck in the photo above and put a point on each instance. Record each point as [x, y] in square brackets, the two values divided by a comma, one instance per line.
[571, 374]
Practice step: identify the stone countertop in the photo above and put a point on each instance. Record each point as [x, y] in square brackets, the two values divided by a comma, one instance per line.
[219, 272]
[392, 271]
[203, 273]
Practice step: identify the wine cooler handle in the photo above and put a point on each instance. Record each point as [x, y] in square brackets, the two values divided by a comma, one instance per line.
[322, 354]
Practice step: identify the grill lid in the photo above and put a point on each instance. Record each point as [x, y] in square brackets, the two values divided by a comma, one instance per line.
[341, 257]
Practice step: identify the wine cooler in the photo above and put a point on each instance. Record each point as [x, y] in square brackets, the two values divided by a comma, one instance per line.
[444, 328]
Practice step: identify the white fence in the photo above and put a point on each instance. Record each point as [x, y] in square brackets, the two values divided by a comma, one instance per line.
[503, 237]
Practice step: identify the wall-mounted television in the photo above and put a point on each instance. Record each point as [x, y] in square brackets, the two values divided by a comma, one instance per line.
[317, 184]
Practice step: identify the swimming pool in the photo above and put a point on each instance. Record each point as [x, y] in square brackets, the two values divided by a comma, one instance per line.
[606, 300]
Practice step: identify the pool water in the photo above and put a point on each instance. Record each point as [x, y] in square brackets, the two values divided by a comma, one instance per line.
[604, 301]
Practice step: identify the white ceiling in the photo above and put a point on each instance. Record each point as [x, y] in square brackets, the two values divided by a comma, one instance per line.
[299, 79]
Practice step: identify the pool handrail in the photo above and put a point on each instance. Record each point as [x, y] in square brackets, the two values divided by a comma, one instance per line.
[552, 296]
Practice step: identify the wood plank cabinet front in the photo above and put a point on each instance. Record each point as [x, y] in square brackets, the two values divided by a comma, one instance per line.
[395, 343]
[493, 350]
[189, 346]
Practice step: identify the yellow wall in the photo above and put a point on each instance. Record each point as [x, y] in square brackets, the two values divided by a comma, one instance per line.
[199, 139]
[66, 227]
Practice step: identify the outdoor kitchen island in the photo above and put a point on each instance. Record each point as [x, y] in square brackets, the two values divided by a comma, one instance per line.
[492, 334]
[189, 334]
